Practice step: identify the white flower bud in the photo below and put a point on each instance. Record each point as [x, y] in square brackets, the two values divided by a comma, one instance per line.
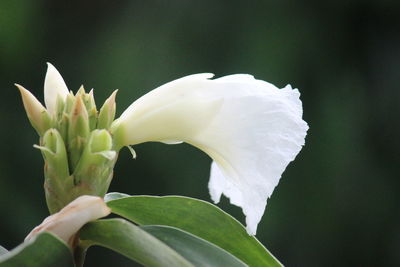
[54, 89]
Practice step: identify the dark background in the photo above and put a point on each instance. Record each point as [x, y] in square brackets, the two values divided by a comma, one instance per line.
[337, 203]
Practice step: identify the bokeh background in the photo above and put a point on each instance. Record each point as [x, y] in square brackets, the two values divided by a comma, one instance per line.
[337, 204]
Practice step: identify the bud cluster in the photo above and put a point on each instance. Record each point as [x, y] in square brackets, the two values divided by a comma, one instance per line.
[76, 145]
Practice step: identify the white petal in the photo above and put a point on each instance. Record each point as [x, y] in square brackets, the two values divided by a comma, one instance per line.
[250, 128]
[67, 222]
[54, 87]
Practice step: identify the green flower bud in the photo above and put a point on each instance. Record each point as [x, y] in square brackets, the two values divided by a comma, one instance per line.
[100, 141]
[95, 167]
[107, 112]
[37, 114]
[92, 109]
[81, 91]
[78, 130]
[54, 152]
[57, 177]
[69, 102]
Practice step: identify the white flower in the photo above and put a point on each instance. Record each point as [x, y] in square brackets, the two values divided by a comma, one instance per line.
[67, 222]
[250, 128]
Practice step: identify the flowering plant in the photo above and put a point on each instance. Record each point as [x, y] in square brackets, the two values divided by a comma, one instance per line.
[250, 129]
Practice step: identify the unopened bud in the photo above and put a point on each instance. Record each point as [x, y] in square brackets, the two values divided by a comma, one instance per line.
[55, 89]
[88, 99]
[107, 112]
[78, 130]
[37, 114]
[60, 107]
[78, 119]
[69, 102]
[81, 91]
[96, 161]
[100, 141]
[54, 152]
[92, 109]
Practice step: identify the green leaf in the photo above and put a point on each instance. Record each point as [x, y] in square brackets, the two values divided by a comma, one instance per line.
[43, 250]
[3, 250]
[196, 250]
[131, 241]
[197, 217]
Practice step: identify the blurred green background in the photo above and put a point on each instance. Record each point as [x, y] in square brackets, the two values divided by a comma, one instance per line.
[337, 204]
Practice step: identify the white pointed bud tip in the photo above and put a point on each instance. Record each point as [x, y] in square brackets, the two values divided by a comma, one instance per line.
[54, 88]
[36, 112]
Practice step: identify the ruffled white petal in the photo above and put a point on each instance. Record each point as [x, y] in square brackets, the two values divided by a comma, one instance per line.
[67, 222]
[250, 128]
[54, 88]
